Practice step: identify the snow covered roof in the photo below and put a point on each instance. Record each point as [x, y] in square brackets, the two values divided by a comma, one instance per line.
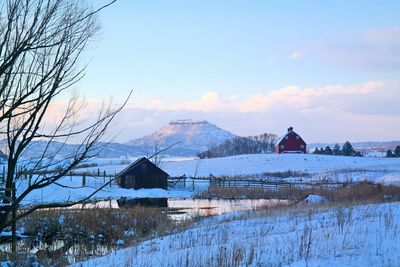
[137, 163]
[280, 138]
[290, 130]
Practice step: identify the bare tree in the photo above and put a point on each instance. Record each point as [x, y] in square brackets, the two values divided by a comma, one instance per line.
[263, 143]
[41, 42]
[152, 146]
[155, 149]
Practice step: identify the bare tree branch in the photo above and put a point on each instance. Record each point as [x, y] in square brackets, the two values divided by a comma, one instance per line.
[41, 43]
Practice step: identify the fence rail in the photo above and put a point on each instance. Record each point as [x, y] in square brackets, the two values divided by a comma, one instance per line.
[214, 181]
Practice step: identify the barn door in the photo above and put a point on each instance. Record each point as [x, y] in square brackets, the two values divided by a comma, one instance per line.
[130, 181]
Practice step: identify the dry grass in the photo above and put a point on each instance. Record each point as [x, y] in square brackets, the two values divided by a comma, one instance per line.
[354, 192]
[283, 174]
[111, 223]
[92, 232]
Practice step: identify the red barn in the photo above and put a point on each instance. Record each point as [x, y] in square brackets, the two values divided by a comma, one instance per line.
[291, 142]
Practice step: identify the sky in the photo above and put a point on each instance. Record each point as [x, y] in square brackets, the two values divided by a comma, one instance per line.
[330, 69]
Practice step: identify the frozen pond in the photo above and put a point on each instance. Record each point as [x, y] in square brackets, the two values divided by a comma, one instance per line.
[185, 208]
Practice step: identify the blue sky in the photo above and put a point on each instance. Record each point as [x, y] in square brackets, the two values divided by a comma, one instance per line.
[213, 59]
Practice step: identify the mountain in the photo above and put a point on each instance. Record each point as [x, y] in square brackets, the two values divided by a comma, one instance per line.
[61, 150]
[190, 136]
[193, 137]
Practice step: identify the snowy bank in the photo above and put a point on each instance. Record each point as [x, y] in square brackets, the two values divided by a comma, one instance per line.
[56, 193]
[357, 236]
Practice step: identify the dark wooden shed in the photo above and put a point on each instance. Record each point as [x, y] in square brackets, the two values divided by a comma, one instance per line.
[142, 174]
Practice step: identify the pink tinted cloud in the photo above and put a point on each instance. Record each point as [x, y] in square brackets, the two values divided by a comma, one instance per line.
[375, 49]
[367, 111]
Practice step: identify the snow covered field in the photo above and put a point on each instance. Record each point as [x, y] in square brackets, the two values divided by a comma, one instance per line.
[385, 170]
[366, 235]
[55, 193]
[320, 167]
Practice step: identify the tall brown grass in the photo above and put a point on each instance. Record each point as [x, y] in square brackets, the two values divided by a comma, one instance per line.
[350, 192]
[81, 234]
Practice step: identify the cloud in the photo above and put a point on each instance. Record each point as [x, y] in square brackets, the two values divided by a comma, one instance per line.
[209, 101]
[311, 99]
[366, 111]
[294, 96]
[295, 55]
[386, 36]
[375, 49]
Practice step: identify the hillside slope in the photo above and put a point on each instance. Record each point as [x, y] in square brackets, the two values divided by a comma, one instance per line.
[188, 134]
[368, 236]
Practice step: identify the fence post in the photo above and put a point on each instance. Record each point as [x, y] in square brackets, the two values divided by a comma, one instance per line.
[3, 177]
[115, 176]
[193, 183]
[83, 180]
[14, 215]
[98, 172]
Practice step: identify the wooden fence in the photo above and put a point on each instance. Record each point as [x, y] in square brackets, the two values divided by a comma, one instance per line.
[6, 203]
[183, 181]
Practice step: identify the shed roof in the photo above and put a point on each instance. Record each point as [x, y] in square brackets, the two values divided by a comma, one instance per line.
[138, 163]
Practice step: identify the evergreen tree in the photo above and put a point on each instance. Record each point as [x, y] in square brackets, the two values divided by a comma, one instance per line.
[322, 151]
[328, 150]
[316, 151]
[397, 151]
[347, 149]
[389, 154]
[336, 150]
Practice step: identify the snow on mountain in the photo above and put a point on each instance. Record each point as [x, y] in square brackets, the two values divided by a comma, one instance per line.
[189, 134]
[193, 136]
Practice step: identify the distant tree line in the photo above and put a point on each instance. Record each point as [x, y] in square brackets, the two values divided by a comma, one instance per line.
[259, 144]
[346, 150]
[393, 154]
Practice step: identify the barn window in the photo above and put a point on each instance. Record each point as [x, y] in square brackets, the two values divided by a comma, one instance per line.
[301, 146]
[286, 137]
[297, 137]
[282, 146]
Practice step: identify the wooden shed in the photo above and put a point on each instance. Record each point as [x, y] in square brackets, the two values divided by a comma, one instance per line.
[142, 174]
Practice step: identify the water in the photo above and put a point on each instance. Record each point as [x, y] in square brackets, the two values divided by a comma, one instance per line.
[186, 208]
[83, 247]
[189, 208]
